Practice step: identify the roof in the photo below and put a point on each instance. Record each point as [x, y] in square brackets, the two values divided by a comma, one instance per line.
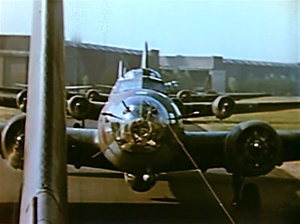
[259, 63]
[102, 48]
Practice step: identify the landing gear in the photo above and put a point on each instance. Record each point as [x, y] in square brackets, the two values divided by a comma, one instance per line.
[237, 182]
[250, 198]
[247, 196]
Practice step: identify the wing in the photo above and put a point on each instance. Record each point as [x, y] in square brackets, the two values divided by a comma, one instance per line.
[83, 149]
[188, 96]
[241, 96]
[251, 148]
[13, 98]
[79, 107]
[78, 87]
[224, 106]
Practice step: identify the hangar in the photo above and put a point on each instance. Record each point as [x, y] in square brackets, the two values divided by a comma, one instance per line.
[92, 63]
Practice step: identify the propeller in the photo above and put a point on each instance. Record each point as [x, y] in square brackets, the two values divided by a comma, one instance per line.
[21, 100]
[252, 148]
[12, 141]
[78, 107]
[184, 95]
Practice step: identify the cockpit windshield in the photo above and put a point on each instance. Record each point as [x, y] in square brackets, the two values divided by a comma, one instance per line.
[142, 72]
[141, 79]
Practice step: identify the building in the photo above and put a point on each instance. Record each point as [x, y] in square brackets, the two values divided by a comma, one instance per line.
[91, 63]
[228, 75]
[85, 63]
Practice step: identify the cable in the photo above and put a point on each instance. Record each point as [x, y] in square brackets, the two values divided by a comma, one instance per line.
[201, 175]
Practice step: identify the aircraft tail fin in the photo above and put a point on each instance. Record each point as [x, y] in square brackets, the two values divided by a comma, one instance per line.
[145, 57]
[44, 194]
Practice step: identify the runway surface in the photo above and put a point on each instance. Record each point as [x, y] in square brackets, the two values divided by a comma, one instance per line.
[182, 198]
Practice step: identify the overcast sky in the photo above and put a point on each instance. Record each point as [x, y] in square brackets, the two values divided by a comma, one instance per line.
[266, 30]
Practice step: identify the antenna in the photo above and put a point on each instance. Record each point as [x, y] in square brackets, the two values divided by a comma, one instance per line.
[145, 59]
[121, 69]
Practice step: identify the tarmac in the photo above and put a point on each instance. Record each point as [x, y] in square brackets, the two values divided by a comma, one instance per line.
[181, 198]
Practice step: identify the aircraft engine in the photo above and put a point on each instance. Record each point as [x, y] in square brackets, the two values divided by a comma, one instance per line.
[21, 100]
[12, 141]
[92, 95]
[78, 107]
[223, 107]
[252, 148]
[184, 95]
[140, 183]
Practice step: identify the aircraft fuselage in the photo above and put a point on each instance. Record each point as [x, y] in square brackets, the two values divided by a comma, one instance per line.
[137, 128]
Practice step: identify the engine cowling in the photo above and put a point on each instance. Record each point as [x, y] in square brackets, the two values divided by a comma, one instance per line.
[252, 148]
[223, 107]
[21, 100]
[78, 107]
[12, 141]
[140, 183]
[92, 95]
[184, 95]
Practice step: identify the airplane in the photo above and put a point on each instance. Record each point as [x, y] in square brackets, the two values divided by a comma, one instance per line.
[175, 91]
[88, 106]
[16, 97]
[220, 106]
[140, 133]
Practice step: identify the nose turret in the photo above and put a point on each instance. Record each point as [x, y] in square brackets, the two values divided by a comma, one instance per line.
[143, 122]
[140, 135]
[135, 132]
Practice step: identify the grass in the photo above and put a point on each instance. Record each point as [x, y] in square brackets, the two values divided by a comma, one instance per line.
[286, 120]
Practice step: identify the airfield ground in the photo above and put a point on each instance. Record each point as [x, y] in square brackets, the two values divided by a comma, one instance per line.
[183, 200]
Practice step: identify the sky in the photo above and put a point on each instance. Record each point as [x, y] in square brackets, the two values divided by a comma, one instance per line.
[262, 30]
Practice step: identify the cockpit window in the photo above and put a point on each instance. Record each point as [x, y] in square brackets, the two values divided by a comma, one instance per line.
[140, 79]
[132, 74]
[142, 72]
[154, 84]
[123, 85]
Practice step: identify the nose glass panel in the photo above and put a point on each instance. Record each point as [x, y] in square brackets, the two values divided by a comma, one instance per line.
[142, 126]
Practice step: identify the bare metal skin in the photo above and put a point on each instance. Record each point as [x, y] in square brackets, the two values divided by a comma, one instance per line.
[44, 195]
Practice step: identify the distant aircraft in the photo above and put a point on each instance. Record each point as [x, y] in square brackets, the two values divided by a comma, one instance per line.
[140, 133]
[89, 105]
[175, 91]
[221, 106]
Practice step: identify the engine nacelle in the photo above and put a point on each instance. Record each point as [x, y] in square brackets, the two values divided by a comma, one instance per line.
[12, 141]
[92, 95]
[223, 107]
[21, 100]
[252, 148]
[184, 95]
[140, 183]
[78, 107]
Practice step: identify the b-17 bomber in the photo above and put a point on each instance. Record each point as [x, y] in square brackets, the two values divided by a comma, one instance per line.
[140, 130]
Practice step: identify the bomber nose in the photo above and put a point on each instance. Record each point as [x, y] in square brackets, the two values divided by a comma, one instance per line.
[141, 131]
[141, 136]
